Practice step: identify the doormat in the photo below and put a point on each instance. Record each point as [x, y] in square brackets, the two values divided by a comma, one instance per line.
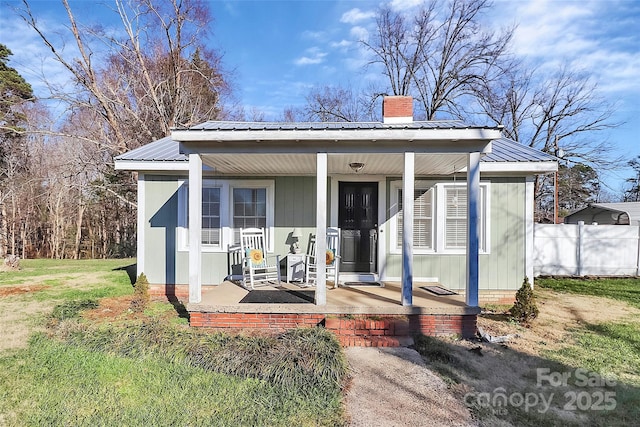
[277, 296]
[438, 290]
[375, 284]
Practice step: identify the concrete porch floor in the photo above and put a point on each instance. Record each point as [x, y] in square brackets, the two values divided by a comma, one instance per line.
[353, 300]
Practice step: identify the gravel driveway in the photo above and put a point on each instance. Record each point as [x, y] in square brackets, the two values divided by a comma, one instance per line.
[393, 387]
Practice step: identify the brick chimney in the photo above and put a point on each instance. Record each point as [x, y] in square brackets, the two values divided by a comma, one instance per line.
[397, 109]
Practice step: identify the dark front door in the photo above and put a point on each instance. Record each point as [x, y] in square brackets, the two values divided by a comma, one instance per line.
[358, 221]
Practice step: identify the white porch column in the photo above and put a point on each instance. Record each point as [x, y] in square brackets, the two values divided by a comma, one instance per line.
[408, 185]
[529, 228]
[195, 228]
[141, 224]
[473, 214]
[321, 228]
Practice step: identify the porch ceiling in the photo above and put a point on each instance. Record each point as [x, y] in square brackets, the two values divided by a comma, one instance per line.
[338, 164]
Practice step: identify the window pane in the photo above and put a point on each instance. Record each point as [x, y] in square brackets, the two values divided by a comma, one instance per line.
[456, 217]
[422, 218]
[249, 209]
[210, 216]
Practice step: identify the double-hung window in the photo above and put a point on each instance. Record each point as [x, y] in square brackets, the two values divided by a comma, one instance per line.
[423, 208]
[439, 217]
[211, 216]
[454, 198]
[228, 206]
[249, 209]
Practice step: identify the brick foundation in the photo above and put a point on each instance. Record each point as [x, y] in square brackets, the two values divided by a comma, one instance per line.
[169, 291]
[358, 330]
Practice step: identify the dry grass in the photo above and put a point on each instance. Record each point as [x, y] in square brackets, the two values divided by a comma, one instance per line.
[474, 367]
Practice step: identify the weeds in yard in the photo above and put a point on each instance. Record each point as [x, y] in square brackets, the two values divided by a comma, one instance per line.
[300, 360]
[71, 309]
[53, 383]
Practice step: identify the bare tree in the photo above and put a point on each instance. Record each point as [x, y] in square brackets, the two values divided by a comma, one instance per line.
[440, 55]
[159, 76]
[336, 104]
[560, 114]
[130, 87]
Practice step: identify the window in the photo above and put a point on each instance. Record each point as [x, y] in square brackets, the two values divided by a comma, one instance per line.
[440, 217]
[455, 218]
[228, 206]
[211, 216]
[249, 210]
[422, 218]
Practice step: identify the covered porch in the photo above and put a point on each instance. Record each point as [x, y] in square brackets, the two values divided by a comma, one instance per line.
[358, 315]
[326, 151]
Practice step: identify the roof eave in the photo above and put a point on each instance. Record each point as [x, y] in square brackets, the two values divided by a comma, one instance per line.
[151, 165]
[386, 134]
[519, 167]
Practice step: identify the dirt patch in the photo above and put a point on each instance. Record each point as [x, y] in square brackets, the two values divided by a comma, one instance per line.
[6, 291]
[112, 309]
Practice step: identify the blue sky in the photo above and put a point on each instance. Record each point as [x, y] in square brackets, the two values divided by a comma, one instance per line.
[280, 49]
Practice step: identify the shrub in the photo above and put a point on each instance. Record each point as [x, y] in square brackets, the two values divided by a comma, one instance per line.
[524, 310]
[140, 294]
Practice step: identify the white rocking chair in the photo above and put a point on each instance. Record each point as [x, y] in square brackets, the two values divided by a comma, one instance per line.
[257, 268]
[332, 257]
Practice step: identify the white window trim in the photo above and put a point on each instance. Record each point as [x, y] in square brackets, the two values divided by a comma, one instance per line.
[226, 211]
[439, 218]
[396, 247]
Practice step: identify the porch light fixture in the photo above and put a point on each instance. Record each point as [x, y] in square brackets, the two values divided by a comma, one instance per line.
[356, 166]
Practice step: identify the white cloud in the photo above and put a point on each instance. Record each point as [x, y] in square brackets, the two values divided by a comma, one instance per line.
[401, 5]
[594, 36]
[356, 15]
[313, 56]
[341, 44]
[359, 33]
[314, 35]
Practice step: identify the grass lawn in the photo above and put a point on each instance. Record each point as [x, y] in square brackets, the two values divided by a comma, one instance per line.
[113, 367]
[622, 289]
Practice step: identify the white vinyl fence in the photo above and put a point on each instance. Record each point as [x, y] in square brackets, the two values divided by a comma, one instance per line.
[583, 250]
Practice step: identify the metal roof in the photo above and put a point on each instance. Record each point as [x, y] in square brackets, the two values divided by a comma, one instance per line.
[507, 150]
[291, 126]
[162, 150]
[632, 209]
[503, 150]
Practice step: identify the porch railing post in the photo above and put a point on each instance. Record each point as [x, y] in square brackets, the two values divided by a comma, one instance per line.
[195, 228]
[321, 228]
[408, 185]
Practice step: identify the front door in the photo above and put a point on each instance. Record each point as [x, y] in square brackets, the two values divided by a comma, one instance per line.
[358, 221]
